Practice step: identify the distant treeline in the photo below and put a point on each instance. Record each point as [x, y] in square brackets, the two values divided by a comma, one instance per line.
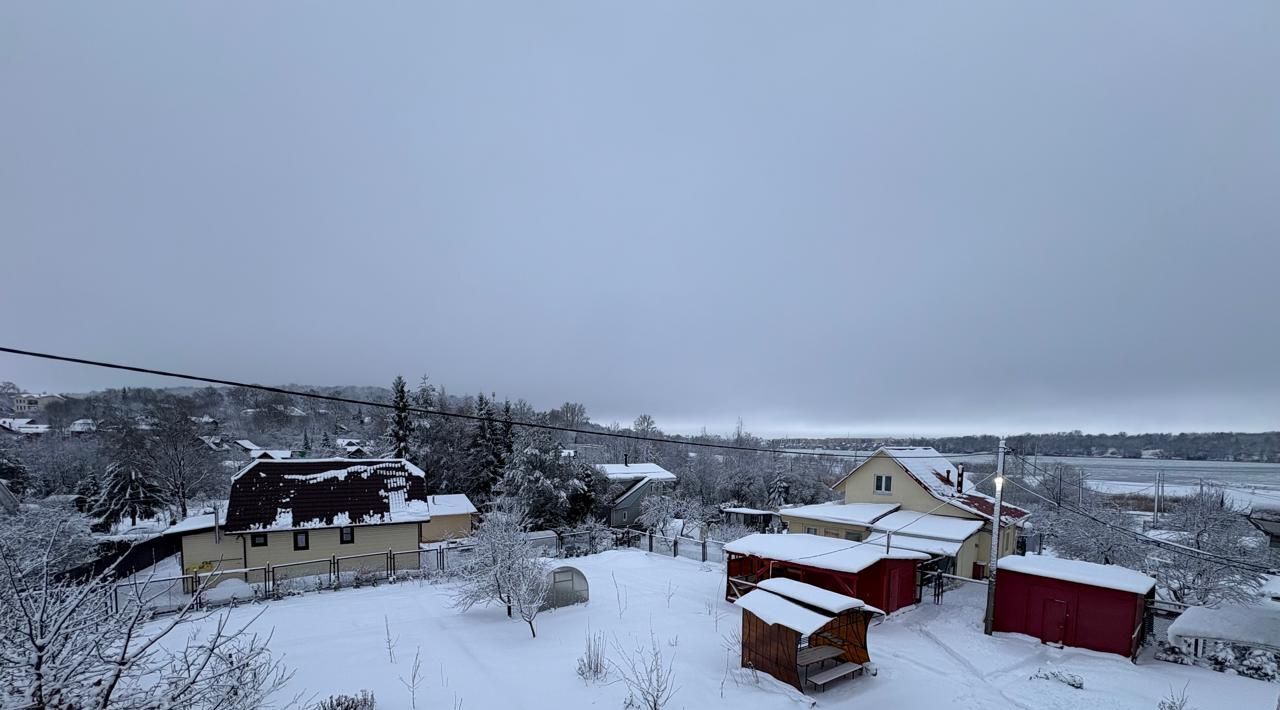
[1209, 446]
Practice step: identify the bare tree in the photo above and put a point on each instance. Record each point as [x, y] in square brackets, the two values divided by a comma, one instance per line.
[180, 463]
[648, 674]
[66, 644]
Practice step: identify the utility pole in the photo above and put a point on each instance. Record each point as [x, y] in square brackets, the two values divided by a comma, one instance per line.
[995, 543]
[1155, 515]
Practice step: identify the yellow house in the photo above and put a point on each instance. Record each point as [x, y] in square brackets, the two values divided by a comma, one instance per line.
[291, 511]
[920, 500]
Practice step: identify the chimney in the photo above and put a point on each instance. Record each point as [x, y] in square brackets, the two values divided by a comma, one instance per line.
[960, 478]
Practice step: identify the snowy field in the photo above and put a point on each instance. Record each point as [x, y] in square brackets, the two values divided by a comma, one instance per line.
[930, 657]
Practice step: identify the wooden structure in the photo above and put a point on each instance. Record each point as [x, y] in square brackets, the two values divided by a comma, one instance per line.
[1073, 603]
[788, 626]
[883, 578]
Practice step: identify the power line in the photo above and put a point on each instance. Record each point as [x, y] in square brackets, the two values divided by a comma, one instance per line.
[1202, 555]
[441, 413]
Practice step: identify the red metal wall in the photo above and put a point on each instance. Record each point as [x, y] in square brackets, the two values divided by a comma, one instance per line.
[1084, 616]
[887, 584]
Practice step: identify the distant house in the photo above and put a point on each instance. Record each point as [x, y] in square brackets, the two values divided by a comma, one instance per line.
[82, 426]
[204, 420]
[246, 445]
[22, 427]
[344, 443]
[214, 443]
[296, 510]
[753, 518]
[27, 403]
[919, 498]
[641, 480]
[1266, 518]
[271, 454]
[357, 451]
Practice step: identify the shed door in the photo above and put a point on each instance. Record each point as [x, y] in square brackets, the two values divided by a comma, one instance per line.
[1053, 621]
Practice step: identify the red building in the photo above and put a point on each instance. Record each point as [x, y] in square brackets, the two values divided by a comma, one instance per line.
[884, 579]
[1073, 603]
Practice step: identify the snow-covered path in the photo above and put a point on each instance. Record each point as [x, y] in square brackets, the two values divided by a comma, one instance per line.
[930, 657]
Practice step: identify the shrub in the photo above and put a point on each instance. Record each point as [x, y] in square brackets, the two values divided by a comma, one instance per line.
[592, 665]
[363, 701]
[1070, 679]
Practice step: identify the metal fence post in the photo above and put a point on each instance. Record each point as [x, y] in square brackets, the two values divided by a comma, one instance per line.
[650, 542]
[391, 563]
[440, 559]
[335, 574]
[675, 547]
[268, 580]
[704, 550]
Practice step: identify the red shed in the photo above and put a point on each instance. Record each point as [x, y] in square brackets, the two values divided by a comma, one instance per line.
[1073, 603]
[885, 579]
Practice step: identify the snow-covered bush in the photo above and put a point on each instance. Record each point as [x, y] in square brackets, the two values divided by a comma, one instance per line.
[363, 701]
[1175, 700]
[1173, 653]
[1261, 665]
[505, 567]
[1070, 679]
[593, 667]
[648, 675]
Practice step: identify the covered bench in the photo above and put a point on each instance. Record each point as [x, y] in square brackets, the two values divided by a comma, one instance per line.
[779, 614]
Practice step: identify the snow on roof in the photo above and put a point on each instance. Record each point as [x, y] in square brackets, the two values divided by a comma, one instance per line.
[289, 494]
[347, 442]
[451, 504]
[626, 472]
[1250, 626]
[932, 546]
[247, 445]
[1091, 573]
[773, 609]
[822, 552]
[748, 511]
[193, 523]
[939, 477]
[943, 527]
[848, 513]
[811, 595]
[272, 453]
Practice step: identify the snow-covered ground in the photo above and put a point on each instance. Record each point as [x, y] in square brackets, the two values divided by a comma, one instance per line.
[930, 657]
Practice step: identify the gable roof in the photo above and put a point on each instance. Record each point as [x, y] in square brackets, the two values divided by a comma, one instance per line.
[626, 472]
[288, 494]
[821, 552]
[938, 477]
[842, 513]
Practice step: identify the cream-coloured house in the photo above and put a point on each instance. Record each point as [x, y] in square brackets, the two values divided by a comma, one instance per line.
[922, 501]
[297, 510]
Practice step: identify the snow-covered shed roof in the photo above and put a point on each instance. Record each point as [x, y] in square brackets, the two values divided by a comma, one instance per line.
[940, 478]
[1079, 571]
[773, 609]
[1257, 626]
[811, 595]
[748, 511]
[929, 545]
[247, 445]
[287, 494]
[451, 504]
[347, 442]
[626, 472]
[846, 513]
[942, 527]
[822, 552]
[271, 453]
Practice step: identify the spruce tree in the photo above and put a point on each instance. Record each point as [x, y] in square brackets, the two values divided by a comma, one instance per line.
[485, 452]
[127, 489]
[14, 471]
[306, 444]
[401, 425]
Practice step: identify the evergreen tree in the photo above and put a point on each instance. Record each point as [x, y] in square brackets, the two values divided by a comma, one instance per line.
[779, 489]
[326, 443]
[88, 492]
[127, 489]
[401, 425]
[306, 444]
[485, 451]
[555, 490]
[14, 471]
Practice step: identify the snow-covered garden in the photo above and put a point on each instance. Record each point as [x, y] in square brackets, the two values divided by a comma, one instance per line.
[930, 656]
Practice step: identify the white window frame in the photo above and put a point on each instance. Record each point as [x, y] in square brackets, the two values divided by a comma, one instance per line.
[810, 531]
[884, 484]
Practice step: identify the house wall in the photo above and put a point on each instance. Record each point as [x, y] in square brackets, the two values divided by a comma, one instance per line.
[797, 524]
[624, 514]
[445, 527]
[203, 552]
[324, 543]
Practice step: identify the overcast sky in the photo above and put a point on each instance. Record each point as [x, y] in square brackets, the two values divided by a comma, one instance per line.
[821, 217]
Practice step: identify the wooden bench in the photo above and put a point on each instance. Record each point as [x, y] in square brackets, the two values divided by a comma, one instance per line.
[821, 678]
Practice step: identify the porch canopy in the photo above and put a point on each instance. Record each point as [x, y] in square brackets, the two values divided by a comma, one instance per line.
[780, 617]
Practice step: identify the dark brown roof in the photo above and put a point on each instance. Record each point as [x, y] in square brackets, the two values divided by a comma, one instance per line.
[313, 493]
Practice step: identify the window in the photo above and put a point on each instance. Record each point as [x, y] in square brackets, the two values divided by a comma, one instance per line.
[624, 516]
[884, 484]
[850, 535]
[811, 531]
[258, 540]
[346, 536]
[301, 540]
